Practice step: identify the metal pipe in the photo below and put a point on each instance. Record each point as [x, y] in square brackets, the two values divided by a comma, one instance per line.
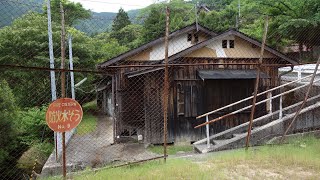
[63, 90]
[73, 95]
[198, 64]
[51, 69]
[52, 73]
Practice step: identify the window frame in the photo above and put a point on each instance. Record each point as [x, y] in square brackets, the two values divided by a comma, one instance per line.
[224, 44]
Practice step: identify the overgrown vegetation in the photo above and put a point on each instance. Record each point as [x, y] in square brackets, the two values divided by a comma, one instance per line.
[23, 132]
[300, 159]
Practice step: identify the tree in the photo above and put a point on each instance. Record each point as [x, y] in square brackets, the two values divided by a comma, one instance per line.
[154, 25]
[73, 12]
[181, 14]
[292, 21]
[25, 42]
[131, 36]
[108, 47]
[8, 114]
[121, 21]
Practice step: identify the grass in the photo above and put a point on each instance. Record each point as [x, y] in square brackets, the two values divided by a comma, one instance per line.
[90, 106]
[87, 125]
[171, 150]
[298, 160]
[89, 121]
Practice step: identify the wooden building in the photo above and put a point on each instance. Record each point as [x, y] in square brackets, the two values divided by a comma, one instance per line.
[196, 86]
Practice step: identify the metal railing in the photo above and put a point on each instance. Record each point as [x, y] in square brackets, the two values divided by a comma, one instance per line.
[269, 98]
[300, 69]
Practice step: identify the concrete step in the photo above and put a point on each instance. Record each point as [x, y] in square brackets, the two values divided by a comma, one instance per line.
[237, 135]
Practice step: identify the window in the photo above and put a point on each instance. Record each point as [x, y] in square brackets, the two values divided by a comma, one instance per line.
[189, 37]
[196, 38]
[180, 99]
[193, 38]
[224, 43]
[187, 99]
[231, 43]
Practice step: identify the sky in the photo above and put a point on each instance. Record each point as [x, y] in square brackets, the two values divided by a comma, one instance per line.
[114, 5]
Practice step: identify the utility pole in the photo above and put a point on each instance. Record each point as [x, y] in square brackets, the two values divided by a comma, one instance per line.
[63, 88]
[256, 87]
[196, 14]
[238, 18]
[52, 73]
[73, 95]
[166, 85]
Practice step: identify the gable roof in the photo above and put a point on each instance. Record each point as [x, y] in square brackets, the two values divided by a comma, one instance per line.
[236, 33]
[127, 54]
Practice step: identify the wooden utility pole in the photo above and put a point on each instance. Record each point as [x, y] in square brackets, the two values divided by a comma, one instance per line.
[63, 88]
[166, 86]
[256, 87]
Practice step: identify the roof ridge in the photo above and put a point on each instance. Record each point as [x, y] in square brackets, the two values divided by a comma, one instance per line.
[155, 41]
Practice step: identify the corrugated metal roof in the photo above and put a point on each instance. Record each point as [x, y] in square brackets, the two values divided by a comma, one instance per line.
[229, 74]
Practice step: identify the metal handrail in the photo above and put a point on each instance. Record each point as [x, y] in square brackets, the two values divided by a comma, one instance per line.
[248, 98]
[247, 107]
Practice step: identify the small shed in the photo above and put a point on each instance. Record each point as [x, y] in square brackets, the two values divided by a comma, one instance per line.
[196, 87]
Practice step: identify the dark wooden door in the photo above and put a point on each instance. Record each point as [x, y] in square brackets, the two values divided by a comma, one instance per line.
[219, 93]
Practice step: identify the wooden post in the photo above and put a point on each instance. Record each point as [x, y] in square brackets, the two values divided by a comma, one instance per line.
[207, 132]
[280, 108]
[63, 88]
[299, 73]
[257, 83]
[166, 86]
[269, 102]
[113, 114]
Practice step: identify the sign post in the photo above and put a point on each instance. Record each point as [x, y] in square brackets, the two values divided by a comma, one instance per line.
[63, 115]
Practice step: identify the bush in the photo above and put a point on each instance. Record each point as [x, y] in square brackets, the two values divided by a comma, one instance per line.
[39, 153]
[8, 114]
[32, 126]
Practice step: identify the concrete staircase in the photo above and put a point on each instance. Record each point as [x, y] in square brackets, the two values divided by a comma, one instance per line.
[264, 128]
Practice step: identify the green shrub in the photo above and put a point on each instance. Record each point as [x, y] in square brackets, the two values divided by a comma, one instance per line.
[38, 153]
[8, 114]
[32, 126]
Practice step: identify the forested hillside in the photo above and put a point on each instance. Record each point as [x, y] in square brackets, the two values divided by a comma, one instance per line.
[11, 9]
[99, 22]
[98, 37]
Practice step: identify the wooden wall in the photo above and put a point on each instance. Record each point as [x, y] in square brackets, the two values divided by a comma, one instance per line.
[139, 99]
